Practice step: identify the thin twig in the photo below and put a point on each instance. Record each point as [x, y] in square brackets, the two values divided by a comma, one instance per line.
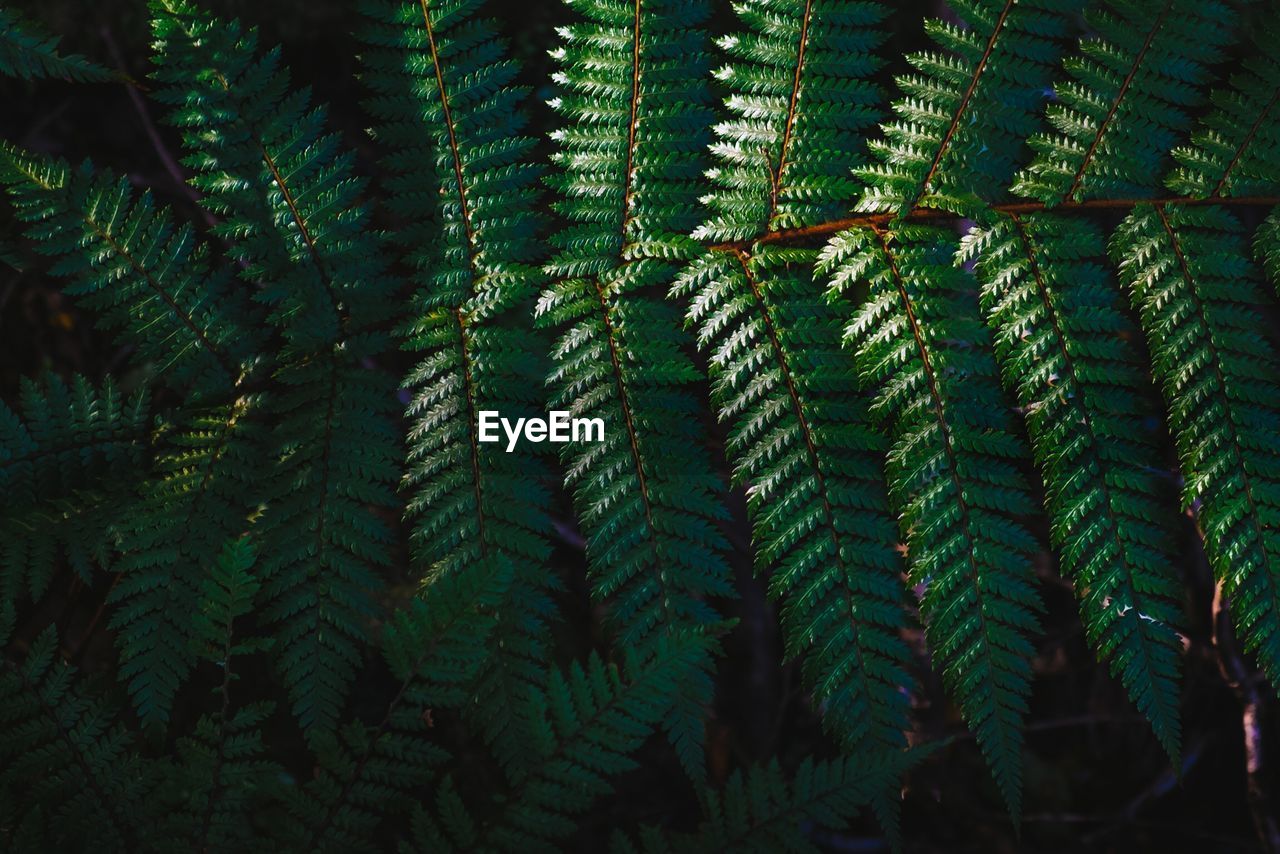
[1243, 681]
[1158, 788]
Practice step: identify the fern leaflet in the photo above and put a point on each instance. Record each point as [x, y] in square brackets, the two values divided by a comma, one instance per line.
[68, 765]
[1194, 285]
[450, 121]
[221, 763]
[593, 717]
[966, 112]
[30, 55]
[288, 198]
[149, 280]
[953, 471]
[634, 99]
[1061, 339]
[764, 810]
[799, 438]
[1130, 95]
[435, 649]
[69, 458]
[1234, 149]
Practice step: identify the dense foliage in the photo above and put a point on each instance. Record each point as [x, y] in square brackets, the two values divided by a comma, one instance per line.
[932, 330]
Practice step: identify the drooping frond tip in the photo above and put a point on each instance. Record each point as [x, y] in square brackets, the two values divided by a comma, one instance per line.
[1062, 341]
[954, 473]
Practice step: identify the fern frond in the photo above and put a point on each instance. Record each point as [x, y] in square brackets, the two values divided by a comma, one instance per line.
[966, 112]
[221, 767]
[764, 809]
[282, 185]
[799, 439]
[634, 101]
[1236, 146]
[63, 439]
[28, 54]
[812, 466]
[289, 201]
[80, 532]
[1062, 340]
[228, 594]
[147, 278]
[202, 491]
[323, 540]
[65, 759]
[593, 718]
[953, 472]
[221, 777]
[801, 97]
[435, 649]
[1266, 247]
[450, 120]
[69, 457]
[1196, 289]
[1131, 95]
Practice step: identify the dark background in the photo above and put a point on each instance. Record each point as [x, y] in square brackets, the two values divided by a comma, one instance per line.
[1095, 777]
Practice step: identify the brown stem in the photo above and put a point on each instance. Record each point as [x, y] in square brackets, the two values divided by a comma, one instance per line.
[1244, 682]
[826, 229]
[627, 181]
[451, 128]
[789, 126]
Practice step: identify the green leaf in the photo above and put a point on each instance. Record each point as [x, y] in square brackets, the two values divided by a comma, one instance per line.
[289, 204]
[1063, 343]
[954, 473]
[1132, 91]
[1191, 280]
[450, 120]
[966, 111]
[634, 102]
[28, 54]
